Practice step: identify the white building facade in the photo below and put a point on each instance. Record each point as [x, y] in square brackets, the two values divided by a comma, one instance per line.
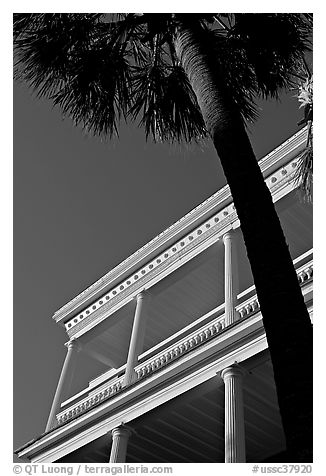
[178, 329]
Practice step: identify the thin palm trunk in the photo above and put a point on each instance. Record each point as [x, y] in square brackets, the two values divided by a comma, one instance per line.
[285, 317]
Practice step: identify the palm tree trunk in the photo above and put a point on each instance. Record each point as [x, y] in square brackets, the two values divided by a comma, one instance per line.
[285, 317]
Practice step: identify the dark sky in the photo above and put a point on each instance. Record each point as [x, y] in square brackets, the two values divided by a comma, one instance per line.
[81, 206]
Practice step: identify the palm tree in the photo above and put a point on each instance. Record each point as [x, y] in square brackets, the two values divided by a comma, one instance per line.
[187, 77]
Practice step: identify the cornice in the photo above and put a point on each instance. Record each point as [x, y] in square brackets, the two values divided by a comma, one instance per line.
[282, 154]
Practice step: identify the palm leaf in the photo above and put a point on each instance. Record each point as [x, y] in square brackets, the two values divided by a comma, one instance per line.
[275, 45]
[147, 91]
[238, 75]
[97, 94]
[78, 62]
[46, 44]
[166, 103]
[183, 117]
[304, 173]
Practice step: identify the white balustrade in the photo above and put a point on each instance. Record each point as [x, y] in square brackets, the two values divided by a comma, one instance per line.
[174, 351]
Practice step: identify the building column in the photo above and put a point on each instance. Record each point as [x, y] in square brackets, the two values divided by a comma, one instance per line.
[120, 437]
[230, 278]
[73, 346]
[137, 337]
[234, 430]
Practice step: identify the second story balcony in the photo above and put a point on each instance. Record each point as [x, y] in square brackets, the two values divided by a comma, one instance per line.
[205, 334]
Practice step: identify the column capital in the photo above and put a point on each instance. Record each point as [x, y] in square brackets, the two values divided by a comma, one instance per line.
[233, 370]
[228, 235]
[123, 431]
[142, 295]
[73, 344]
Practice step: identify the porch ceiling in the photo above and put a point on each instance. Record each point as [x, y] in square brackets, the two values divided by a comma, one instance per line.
[296, 217]
[194, 289]
[190, 292]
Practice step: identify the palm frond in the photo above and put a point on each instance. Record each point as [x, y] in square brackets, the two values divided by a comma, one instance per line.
[238, 75]
[183, 117]
[77, 62]
[98, 93]
[304, 174]
[24, 22]
[274, 45]
[46, 44]
[148, 90]
[309, 18]
[305, 98]
[166, 103]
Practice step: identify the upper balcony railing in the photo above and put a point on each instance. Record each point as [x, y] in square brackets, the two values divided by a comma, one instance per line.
[197, 333]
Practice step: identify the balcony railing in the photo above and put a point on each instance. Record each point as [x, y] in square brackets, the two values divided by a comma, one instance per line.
[199, 332]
